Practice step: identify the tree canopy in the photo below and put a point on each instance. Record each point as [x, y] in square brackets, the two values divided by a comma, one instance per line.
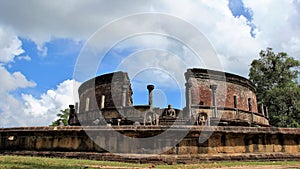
[62, 116]
[276, 79]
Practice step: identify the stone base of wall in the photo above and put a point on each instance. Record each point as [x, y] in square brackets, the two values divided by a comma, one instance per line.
[159, 159]
[126, 143]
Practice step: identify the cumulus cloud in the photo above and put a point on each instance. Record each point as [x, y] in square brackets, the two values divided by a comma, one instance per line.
[26, 110]
[11, 107]
[10, 46]
[277, 23]
[51, 102]
[31, 111]
[43, 21]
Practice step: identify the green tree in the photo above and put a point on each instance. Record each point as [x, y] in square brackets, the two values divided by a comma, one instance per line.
[276, 79]
[63, 116]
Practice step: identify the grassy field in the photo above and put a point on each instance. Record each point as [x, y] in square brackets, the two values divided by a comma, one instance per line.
[24, 162]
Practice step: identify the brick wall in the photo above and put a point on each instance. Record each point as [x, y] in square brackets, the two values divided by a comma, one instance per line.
[228, 86]
[110, 85]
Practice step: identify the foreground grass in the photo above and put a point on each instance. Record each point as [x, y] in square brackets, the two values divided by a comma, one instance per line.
[25, 162]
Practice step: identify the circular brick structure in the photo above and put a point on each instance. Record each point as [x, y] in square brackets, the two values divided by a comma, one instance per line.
[229, 87]
[224, 96]
[212, 98]
[105, 91]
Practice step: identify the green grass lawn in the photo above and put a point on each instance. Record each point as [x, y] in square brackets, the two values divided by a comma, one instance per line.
[25, 162]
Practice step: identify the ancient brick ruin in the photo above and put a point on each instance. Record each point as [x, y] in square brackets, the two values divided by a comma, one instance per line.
[221, 121]
[212, 98]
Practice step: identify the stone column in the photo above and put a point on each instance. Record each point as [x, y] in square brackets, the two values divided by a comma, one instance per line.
[76, 107]
[250, 104]
[262, 109]
[235, 102]
[267, 112]
[102, 103]
[124, 95]
[236, 107]
[188, 89]
[250, 109]
[214, 88]
[87, 104]
[150, 89]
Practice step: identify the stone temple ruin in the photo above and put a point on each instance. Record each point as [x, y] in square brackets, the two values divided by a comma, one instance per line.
[220, 121]
[212, 98]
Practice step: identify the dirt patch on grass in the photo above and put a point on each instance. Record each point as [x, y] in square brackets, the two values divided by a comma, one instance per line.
[263, 167]
[195, 167]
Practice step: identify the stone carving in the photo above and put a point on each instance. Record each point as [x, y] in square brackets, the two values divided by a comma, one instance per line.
[202, 118]
[150, 118]
[170, 112]
[96, 122]
[73, 119]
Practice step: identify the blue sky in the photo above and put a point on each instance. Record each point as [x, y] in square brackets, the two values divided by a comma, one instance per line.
[238, 9]
[40, 43]
[47, 71]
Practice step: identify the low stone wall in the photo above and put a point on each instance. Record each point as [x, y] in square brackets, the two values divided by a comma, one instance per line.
[224, 142]
[232, 115]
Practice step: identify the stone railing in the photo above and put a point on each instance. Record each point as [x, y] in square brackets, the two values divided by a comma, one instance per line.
[233, 115]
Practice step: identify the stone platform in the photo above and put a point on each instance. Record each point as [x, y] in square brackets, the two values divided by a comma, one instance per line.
[159, 159]
[133, 143]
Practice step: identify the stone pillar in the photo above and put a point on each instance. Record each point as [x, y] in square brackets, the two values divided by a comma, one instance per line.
[250, 104]
[119, 121]
[150, 89]
[188, 98]
[250, 109]
[87, 104]
[235, 102]
[236, 107]
[124, 95]
[76, 107]
[102, 103]
[214, 88]
[262, 109]
[267, 112]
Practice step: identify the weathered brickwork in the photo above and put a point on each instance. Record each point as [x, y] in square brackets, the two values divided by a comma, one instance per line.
[235, 97]
[110, 95]
[224, 142]
[111, 86]
[228, 86]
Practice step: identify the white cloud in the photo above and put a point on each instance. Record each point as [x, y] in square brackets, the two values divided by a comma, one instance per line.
[43, 21]
[26, 57]
[10, 46]
[277, 23]
[32, 111]
[150, 64]
[12, 81]
[50, 103]
[11, 107]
